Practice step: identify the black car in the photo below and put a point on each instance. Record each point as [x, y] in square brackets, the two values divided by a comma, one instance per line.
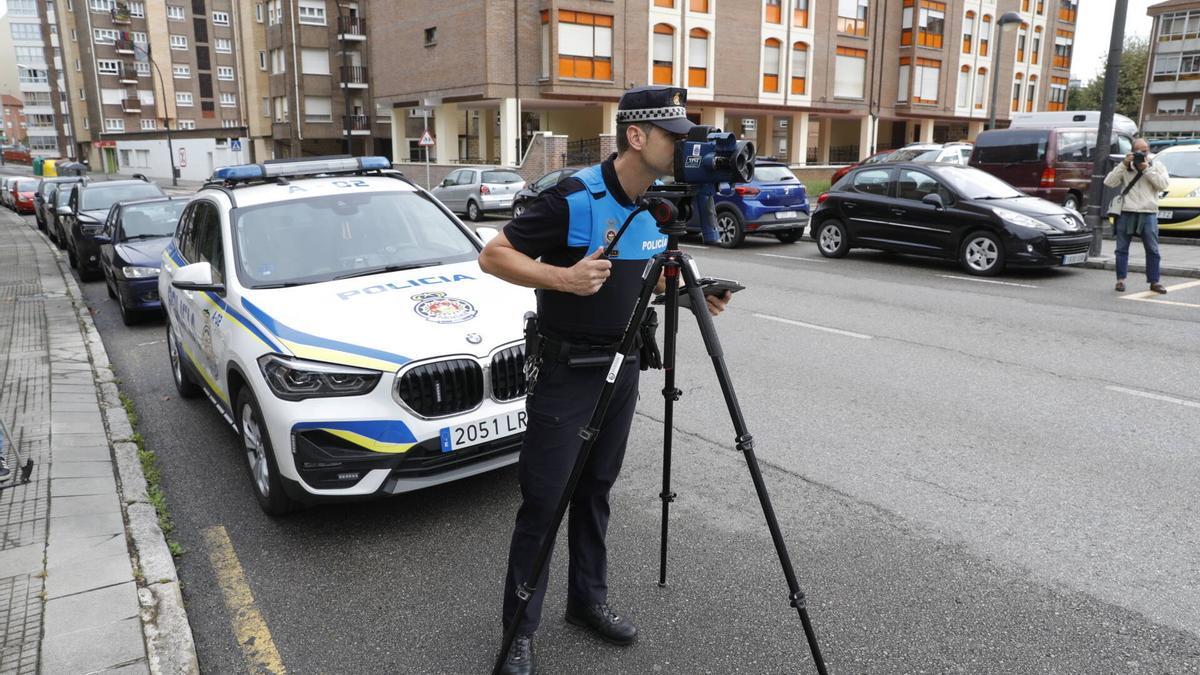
[43, 202]
[59, 209]
[947, 211]
[88, 206]
[131, 249]
[532, 190]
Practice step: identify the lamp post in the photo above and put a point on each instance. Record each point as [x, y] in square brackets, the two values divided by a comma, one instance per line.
[1108, 105]
[342, 28]
[166, 120]
[1005, 23]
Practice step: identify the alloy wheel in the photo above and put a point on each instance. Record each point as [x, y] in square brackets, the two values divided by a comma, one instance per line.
[256, 451]
[830, 239]
[982, 254]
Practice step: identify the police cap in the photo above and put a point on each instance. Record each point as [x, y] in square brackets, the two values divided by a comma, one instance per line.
[662, 106]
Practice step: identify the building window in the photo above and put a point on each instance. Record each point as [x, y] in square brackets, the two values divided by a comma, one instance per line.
[224, 72]
[698, 58]
[1021, 44]
[102, 5]
[183, 98]
[1064, 43]
[980, 87]
[140, 37]
[1176, 106]
[142, 69]
[1041, 7]
[770, 66]
[107, 67]
[114, 124]
[229, 124]
[963, 92]
[277, 64]
[32, 75]
[773, 11]
[258, 12]
[850, 67]
[1029, 99]
[266, 107]
[663, 54]
[431, 36]
[182, 72]
[101, 36]
[137, 10]
[274, 12]
[985, 33]
[968, 32]
[1024, 5]
[925, 81]
[220, 18]
[179, 42]
[698, 6]
[26, 31]
[800, 14]
[312, 12]
[931, 24]
[149, 125]
[262, 60]
[1067, 11]
[228, 100]
[224, 46]
[175, 13]
[318, 109]
[22, 8]
[799, 68]
[78, 66]
[1037, 45]
[852, 17]
[1016, 97]
[905, 76]
[186, 125]
[584, 45]
[1058, 94]
[669, 4]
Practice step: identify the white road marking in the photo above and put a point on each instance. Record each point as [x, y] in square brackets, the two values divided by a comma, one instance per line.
[986, 281]
[1151, 296]
[152, 342]
[792, 257]
[691, 246]
[1156, 397]
[814, 326]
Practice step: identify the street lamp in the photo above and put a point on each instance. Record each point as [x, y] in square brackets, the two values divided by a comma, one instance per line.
[1006, 23]
[343, 26]
[166, 120]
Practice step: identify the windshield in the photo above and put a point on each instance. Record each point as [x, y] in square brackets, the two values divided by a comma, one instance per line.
[101, 197]
[501, 177]
[320, 238]
[976, 184]
[26, 185]
[1181, 164]
[773, 174]
[157, 219]
[908, 154]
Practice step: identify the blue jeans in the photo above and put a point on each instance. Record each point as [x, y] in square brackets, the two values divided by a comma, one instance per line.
[1149, 242]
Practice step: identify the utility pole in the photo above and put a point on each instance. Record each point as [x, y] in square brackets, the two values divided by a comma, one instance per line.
[1108, 105]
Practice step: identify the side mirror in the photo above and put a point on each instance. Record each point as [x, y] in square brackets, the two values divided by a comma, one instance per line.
[935, 200]
[445, 183]
[486, 234]
[102, 239]
[196, 277]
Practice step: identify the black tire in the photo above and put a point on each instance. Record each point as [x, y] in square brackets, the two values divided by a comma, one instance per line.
[109, 287]
[833, 241]
[731, 229]
[790, 236]
[474, 214]
[1071, 201]
[981, 254]
[179, 373]
[265, 480]
[128, 316]
[73, 260]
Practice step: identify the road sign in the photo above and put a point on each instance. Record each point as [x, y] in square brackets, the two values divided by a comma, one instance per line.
[426, 139]
[235, 145]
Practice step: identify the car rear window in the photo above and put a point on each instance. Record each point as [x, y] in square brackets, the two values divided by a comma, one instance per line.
[1009, 147]
[501, 177]
[872, 181]
[909, 154]
[773, 174]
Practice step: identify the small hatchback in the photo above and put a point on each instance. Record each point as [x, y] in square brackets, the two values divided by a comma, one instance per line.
[479, 191]
[774, 203]
[131, 247]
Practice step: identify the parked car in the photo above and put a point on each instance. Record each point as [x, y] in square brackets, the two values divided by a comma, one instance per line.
[1179, 204]
[88, 204]
[911, 151]
[345, 330]
[947, 211]
[479, 191]
[1052, 163]
[43, 202]
[17, 153]
[5, 195]
[532, 190]
[21, 192]
[62, 209]
[774, 203]
[1088, 119]
[131, 247]
[876, 158]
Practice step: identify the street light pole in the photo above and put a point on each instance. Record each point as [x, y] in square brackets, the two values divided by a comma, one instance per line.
[345, 76]
[1008, 19]
[166, 120]
[1108, 105]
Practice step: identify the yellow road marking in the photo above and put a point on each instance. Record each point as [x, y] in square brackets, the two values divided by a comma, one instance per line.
[248, 625]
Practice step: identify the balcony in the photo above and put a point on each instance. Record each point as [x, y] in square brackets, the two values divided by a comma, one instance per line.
[120, 13]
[358, 125]
[123, 46]
[352, 28]
[127, 74]
[131, 105]
[353, 77]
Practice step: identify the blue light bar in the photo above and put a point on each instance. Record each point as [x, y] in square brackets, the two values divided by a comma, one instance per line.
[241, 172]
[375, 163]
[301, 167]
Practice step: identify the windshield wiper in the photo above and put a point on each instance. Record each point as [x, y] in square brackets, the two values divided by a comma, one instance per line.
[146, 236]
[286, 284]
[386, 268]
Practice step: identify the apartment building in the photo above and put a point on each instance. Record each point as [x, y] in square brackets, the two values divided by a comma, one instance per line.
[1171, 103]
[12, 120]
[37, 56]
[812, 81]
[8, 66]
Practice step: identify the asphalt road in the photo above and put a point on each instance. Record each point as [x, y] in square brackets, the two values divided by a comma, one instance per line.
[970, 477]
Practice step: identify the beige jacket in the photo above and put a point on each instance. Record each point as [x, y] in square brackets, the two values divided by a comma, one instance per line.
[1143, 198]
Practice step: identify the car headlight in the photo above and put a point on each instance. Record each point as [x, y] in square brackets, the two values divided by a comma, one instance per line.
[139, 272]
[1023, 220]
[296, 379]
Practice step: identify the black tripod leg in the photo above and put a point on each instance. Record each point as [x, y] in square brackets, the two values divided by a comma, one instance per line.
[670, 395]
[745, 443]
[588, 434]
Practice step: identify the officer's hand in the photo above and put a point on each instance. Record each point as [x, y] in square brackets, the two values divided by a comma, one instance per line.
[716, 303]
[588, 275]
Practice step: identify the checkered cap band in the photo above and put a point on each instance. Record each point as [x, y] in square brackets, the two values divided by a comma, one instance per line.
[652, 114]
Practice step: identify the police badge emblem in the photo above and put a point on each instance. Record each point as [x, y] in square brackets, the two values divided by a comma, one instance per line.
[439, 308]
[676, 99]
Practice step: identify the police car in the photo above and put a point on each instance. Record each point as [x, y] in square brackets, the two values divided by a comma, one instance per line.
[336, 315]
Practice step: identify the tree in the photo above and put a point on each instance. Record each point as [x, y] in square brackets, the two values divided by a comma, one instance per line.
[1135, 58]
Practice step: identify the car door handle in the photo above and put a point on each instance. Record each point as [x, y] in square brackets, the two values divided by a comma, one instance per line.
[899, 212]
[848, 205]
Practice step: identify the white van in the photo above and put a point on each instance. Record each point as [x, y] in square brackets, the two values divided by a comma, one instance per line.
[1072, 118]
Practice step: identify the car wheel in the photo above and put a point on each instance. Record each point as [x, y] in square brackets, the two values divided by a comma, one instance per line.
[256, 444]
[518, 209]
[72, 259]
[833, 241]
[473, 212]
[183, 381]
[790, 236]
[982, 254]
[109, 287]
[730, 232]
[128, 316]
[1071, 202]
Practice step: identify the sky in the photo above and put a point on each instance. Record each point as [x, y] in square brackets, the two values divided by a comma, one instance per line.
[1093, 28]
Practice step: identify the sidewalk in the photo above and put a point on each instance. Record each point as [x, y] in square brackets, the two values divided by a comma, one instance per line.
[87, 583]
[1178, 259]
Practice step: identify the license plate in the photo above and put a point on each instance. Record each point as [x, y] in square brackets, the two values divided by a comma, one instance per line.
[1074, 258]
[784, 215]
[482, 431]
[1166, 215]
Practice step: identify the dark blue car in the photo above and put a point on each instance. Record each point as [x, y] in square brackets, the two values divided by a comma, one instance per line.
[131, 246]
[774, 203]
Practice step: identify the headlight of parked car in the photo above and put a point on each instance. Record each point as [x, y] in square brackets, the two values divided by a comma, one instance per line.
[297, 379]
[139, 272]
[1023, 220]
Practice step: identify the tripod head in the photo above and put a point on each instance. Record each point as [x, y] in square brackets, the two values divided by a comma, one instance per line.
[672, 206]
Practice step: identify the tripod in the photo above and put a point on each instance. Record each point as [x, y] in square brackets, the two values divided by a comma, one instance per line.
[672, 264]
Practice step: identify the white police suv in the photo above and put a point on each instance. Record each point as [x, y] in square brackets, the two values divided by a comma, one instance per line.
[337, 317]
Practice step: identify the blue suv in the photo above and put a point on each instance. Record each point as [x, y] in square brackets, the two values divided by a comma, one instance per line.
[774, 203]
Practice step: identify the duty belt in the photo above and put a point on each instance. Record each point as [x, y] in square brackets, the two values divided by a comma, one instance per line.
[560, 350]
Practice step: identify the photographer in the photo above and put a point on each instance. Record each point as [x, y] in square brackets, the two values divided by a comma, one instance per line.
[584, 302]
[1140, 181]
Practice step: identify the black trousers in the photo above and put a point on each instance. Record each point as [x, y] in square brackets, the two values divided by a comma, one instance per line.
[562, 402]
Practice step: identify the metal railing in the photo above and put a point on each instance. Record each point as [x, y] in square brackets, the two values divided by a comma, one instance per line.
[843, 154]
[353, 74]
[583, 151]
[356, 122]
[352, 25]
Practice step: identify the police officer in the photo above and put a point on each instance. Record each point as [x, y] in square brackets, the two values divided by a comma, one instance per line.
[584, 301]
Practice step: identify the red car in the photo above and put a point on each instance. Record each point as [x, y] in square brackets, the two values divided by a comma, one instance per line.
[22, 194]
[873, 159]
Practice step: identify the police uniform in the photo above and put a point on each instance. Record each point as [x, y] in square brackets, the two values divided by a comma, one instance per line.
[565, 224]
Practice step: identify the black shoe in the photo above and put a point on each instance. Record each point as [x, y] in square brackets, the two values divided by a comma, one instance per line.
[602, 621]
[520, 657]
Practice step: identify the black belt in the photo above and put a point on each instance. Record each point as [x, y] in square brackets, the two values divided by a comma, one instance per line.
[561, 350]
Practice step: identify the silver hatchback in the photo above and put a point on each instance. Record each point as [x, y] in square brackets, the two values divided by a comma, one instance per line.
[479, 191]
